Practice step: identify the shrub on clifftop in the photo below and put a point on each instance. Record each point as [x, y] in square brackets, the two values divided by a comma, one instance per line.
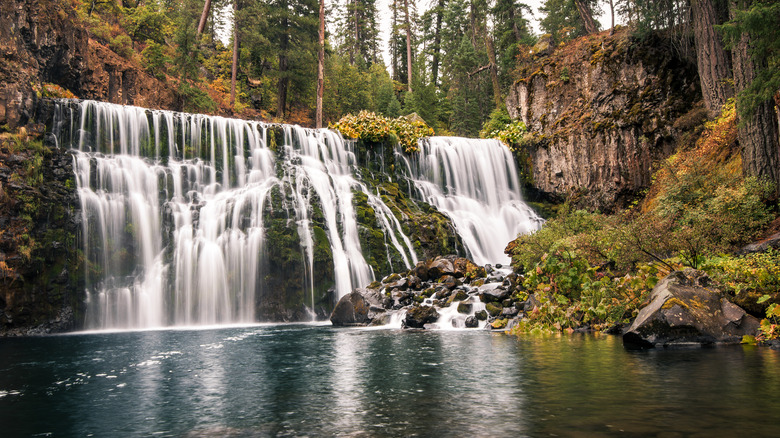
[373, 128]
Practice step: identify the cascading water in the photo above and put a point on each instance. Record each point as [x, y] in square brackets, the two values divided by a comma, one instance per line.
[173, 210]
[176, 209]
[475, 183]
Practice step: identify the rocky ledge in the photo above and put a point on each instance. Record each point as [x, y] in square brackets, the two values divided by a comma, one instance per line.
[447, 291]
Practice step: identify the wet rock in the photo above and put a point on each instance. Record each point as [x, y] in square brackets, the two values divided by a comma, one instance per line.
[460, 295]
[472, 322]
[414, 282]
[464, 307]
[499, 324]
[683, 311]
[418, 316]
[388, 302]
[421, 271]
[442, 293]
[429, 292]
[494, 295]
[509, 312]
[357, 308]
[493, 309]
[481, 315]
[440, 267]
[401, 283]
[450, 282]
[380, 319]
[391, 278]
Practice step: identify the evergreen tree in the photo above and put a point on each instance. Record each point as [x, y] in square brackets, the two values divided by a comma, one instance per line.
[563, 20]
[753, 34]
[511, 29]
[714, 63]
[359, 33]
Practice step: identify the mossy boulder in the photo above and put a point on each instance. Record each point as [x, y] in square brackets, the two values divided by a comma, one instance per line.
[418, 316]
[493, 309]
[464, 307]
[687, 309]
[357, 308]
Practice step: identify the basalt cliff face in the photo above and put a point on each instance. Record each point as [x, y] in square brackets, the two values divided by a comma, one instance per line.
[600, 110]
[42, 42]
[41, 278]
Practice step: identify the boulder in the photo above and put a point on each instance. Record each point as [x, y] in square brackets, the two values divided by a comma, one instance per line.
[498, 294]
[398, 284]
[464, 307]
[439, 267]
[418, 316]
[466, 268]
[472, 322]
[685, 309]
[493, 309]
[420, 270]
[449, 281]
[762, 245]
[357, 308]
[481, 315]
[460, 295]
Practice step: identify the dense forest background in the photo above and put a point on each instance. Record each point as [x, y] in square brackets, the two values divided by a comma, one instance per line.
[460, 54]
[451, 61]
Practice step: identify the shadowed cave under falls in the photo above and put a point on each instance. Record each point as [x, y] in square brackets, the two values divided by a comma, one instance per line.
[178, 211]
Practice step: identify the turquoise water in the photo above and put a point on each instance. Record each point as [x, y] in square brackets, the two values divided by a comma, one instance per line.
[314, 380]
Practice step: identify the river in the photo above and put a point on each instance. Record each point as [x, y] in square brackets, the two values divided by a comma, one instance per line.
[316, 380]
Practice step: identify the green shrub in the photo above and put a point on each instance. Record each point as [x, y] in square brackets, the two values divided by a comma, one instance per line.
[153, 59]
[194, 99]
[501, 127]
[148, 22]
[122, 45]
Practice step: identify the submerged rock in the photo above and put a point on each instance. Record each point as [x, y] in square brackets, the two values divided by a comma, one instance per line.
[685, 309]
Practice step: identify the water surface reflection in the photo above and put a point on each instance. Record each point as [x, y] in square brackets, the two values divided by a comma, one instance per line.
[295, 380]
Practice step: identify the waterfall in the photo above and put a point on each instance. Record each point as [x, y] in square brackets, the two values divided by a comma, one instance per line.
[475, 183]
[178, 210]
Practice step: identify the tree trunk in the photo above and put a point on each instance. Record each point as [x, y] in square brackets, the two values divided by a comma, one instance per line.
[612, 16]
[587, 16]
[515, 29]
[234, 69]
[408, 47]
[320, 67]
[758, 135]
[204, 16]
[437, 43]
[491, 52]
[713, 63]
[284, 80]
[354, 52]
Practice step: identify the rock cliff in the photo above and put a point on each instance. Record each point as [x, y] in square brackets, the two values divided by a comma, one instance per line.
[41, 285]
[600, 110]
[42, 41]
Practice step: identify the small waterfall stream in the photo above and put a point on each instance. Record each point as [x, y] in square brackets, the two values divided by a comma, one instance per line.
[175, 205]
[475, 183]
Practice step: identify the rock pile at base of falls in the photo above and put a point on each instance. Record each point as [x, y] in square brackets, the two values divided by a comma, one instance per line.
[447, 291]
[686, 309]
